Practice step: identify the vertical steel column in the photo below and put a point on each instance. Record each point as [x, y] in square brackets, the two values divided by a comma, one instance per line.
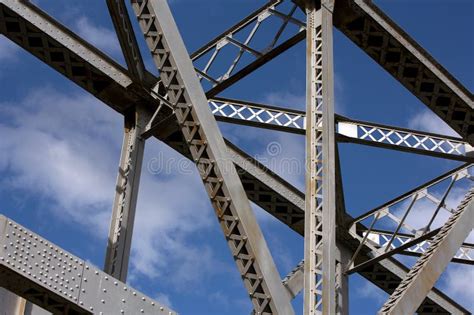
[11, 303]
[320, 214]
[126, 191]
[342, 281]
[343, 253]
[209, 151]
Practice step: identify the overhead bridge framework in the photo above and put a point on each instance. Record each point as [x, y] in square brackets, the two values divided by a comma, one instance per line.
[181, 107]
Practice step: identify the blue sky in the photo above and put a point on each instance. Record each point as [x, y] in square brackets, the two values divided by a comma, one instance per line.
[60, 150]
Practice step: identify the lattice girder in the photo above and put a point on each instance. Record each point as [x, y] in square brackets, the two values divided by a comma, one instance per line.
[348, 130]
[239, 67]
[370, 29]
[396, 214]
[207, 149]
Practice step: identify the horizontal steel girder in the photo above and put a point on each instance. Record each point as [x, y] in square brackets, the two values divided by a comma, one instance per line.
[348, 130]
[61, 283]
[263, 187]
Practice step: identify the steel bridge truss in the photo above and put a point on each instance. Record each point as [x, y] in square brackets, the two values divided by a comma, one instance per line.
[181, 107]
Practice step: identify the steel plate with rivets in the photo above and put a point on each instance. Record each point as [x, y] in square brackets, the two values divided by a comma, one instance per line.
[66, 276]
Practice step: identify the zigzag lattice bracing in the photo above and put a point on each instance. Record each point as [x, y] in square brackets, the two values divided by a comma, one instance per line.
[208, 165]
[396, 52]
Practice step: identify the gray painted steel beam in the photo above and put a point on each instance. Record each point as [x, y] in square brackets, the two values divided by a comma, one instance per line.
[348, 130]
[126, 193]
[239, 66]
[294, 280]
[11, 304]
[320, 209]
[48, 40]
[405, 140]
[61, 283]
[128, 42]
[258, 115]
[384, 41]
[208, 150]
[51, 42]
[424, 274]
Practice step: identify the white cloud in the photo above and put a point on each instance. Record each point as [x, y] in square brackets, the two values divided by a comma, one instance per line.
[286, 99]
[424, 209]
[459, 283]
[226, 303]
[50, 148]
[426, 120]
[102, 37]
[369, 291]
[8, 49]
[64, 149]
[99, 36]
